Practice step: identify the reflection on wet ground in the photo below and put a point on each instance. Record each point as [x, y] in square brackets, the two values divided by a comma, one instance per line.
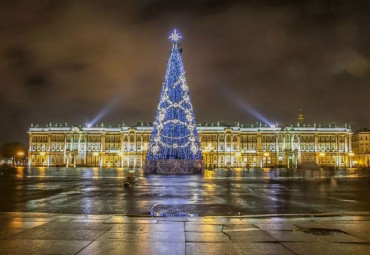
[217, 192]
[253, 173]
[41, 233]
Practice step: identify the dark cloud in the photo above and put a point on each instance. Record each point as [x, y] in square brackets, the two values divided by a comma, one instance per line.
[17, 57]
[66, 61]
[36, 81]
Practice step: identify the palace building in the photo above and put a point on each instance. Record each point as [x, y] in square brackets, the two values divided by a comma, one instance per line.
[222, 145]
[361, 147]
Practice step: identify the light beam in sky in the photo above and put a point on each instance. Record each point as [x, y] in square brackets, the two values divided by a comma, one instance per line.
[235, 99]
[106, 110]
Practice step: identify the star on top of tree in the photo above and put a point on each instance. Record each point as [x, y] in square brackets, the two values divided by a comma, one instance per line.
[175, 37]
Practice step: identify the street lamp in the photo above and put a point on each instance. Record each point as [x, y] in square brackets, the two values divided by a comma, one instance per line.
[120, 155]
[42, 154]
[238, 155]
[266, 155]
[20, 155]
[321, 155]
[144, 148]
[280, 161]
[95, 154]
[210, 149]
[351, 155]
[205, 150]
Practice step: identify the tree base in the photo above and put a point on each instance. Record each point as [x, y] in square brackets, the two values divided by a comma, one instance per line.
[174, 166]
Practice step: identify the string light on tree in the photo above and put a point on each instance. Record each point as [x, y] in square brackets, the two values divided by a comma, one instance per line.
[174, 133]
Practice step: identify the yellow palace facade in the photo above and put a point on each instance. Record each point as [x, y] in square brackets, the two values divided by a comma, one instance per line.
[223, 145]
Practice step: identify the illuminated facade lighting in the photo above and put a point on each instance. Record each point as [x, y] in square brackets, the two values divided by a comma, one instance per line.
[221, 145]
[361, 148]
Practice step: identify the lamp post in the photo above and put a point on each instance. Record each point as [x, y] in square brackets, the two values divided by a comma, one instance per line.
[351, 155]
[266, 155]
[42, 154]
[321, 155]
[238, 155]
[120, 155]
[210, 153]
[95, 154]
[20, 155]
[143, 150]
[205, 157]
[217, 148]
[210, 149]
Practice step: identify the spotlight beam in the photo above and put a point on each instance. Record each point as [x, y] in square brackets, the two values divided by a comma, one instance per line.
[103, 112]
[243, 105]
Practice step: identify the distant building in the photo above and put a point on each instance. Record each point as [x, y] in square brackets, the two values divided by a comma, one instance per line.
[361, 147]
[223, 145]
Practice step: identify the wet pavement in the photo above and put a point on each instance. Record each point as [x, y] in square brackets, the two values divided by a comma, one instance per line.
[219, 192]
[41, 233]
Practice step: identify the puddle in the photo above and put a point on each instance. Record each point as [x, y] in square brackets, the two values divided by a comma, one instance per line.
[323, 231]
[182, 215]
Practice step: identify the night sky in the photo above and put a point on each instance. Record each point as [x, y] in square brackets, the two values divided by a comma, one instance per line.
[66, 61]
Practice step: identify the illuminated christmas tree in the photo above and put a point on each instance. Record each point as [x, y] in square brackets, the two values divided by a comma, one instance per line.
[174, 147]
